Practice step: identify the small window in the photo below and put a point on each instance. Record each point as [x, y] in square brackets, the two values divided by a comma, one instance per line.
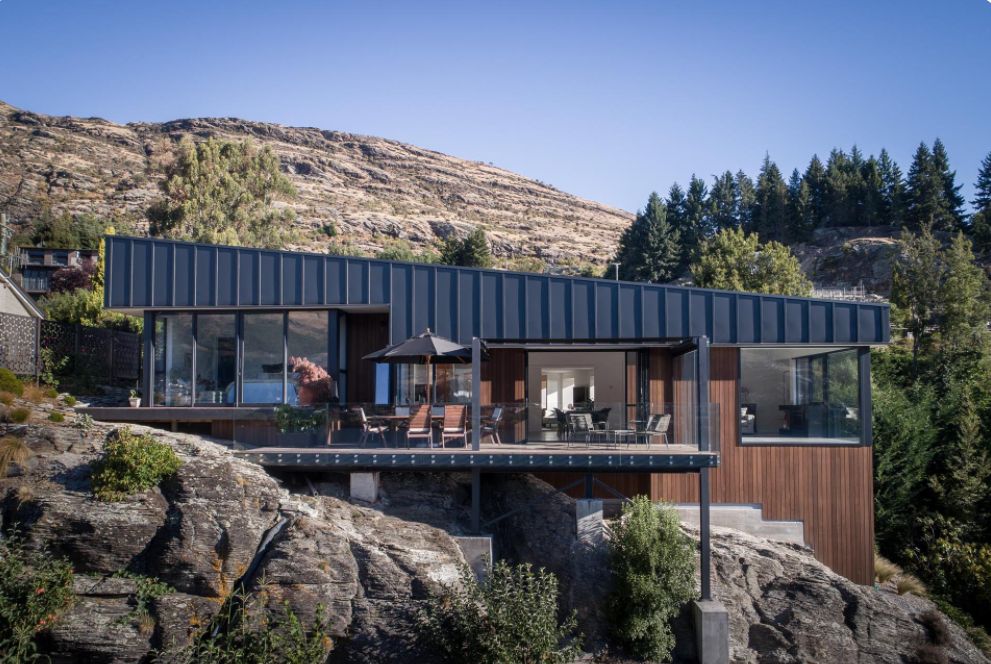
[60, 258]
[37, 257]
[800, 395]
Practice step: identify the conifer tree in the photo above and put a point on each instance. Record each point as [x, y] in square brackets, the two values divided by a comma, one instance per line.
[837, 208]
[872, 197]
[815, 179]
[892, 209]
[770, 211]
[799, 208]
[677, 216]
[697, 220]
[649, 248]
[980, 222]
[470, 251]
[722, 202]
[951, 190]
[932, 198]
[746, 195]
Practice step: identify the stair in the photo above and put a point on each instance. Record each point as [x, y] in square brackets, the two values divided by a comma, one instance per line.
[746, 518]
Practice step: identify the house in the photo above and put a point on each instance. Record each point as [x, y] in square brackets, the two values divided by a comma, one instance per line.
[14, 301]
[38, 264]
[713, 398]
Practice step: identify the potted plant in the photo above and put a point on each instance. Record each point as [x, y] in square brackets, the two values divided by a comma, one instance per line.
[134, 399]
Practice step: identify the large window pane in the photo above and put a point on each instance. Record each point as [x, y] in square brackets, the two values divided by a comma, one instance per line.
[412, 384]
[263, 360]
[307, 341]
[799, 395]
[453, 383]
[173, 360]
[216, 359]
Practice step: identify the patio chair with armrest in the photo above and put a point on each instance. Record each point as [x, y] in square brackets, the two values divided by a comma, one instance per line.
[455, 424]
[662, 424]
[491, 426]
[420, 425]
[369, 430]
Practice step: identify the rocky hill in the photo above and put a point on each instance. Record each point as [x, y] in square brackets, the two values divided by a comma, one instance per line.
[371, 189]
[223, 521]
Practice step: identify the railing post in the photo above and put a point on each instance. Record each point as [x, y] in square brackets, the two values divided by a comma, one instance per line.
[476, 393]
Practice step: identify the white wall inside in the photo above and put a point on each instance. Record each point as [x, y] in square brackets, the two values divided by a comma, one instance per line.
[604, 372]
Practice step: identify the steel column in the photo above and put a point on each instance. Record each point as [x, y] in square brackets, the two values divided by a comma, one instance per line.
[148, 361]
[705, 557]
[476, 500]
[476, 394]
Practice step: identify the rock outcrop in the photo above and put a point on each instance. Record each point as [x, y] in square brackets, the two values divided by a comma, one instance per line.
[222, 521]
[372, 190]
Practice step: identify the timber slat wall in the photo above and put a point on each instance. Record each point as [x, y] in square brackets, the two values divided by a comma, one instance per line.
[828, 488]
[504, 382]
[366, 333]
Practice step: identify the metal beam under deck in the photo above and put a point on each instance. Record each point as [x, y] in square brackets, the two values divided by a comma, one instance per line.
[502, 461]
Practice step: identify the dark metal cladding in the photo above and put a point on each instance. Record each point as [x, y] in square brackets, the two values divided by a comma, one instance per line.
[460, 303]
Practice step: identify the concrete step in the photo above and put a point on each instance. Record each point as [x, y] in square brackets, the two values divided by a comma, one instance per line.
[746, 518]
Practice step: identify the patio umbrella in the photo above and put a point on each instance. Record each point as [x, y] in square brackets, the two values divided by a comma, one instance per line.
[425, 348]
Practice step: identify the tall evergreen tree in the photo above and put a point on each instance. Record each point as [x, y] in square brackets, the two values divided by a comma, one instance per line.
[770, 211]
[470, 251]
[837, 208]
[746, 195]
[722, 202]
[856, 190]
[677, 216]
[697, 219]
[893, 200]
[926, 188]
[980, 222]
[951, 190]
[799, 208]
[649, 249]
[872, 197]
[815, 179]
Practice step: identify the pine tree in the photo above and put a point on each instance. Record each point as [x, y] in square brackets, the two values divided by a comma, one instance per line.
[963, 295]
[677, 217]
[722, 202]
[856, 203]
[770, 216]
[837, 207]
[873, 193]
[470, 251]
[932, 199]
[892, 209]
[746, 195]
[697, 220]
[815, 179]
[649, 249]
[980, 222]
[951, 190]
[799, 209]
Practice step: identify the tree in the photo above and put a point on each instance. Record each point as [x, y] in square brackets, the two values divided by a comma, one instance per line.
[892, 208]
[469, 251]
[872, 198]
[963, 295]
[980, 222]
[953, 201]
[722, 202]
[697, 218]
[815, 179]
[71, 278]
[745, 198]
[219, 191]
[66, 231]
[837, 208]
[933, 200]
[800, 223]
[649, 249]
[770, 210]
[733, 260]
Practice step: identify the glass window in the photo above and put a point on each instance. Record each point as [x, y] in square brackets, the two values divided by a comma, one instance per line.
[453, 383]
[263, 360]
[799, 395]
[60, 258]
[412, 384]
[173, 360]
[216, 358]
[307, 340]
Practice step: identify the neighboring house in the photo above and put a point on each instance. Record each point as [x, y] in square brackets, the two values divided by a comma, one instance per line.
[13, 299]
[693, 395]
[38, 264]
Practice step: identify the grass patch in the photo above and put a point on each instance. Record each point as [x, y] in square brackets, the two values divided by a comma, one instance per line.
[69, 400]
[56, 416]
[131, 463]
[7, 398]
[19, 415]
[12, 450]
[35, 393]
[884, 569]
[10, 383]
[907, 584]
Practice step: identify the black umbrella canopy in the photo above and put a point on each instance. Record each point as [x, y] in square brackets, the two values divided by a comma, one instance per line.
[425, 348]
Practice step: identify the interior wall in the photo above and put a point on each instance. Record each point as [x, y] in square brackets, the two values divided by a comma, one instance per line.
[609, 368]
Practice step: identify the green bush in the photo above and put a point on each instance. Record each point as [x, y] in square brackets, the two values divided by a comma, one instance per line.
[56, 416]
[510, 618]
[19, 415]
[51, 392]
[131, 463]
[243, 633]
[10, 383]
[70, 400]
[653, 570]
[35, 588]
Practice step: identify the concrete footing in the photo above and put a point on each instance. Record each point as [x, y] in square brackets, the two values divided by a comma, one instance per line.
[365, 487]
[589, 526]
[711, 632]
[478, 554]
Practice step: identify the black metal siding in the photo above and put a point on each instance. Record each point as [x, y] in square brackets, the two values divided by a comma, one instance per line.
[461, 303]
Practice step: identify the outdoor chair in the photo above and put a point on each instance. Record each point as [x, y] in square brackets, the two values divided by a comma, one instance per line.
[419, 425]
[660, 428]
[455, 424]
[491, 427]
[370, 430]
[600, 418]
[580, 425]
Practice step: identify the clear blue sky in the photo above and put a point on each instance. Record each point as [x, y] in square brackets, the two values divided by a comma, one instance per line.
[607, 100]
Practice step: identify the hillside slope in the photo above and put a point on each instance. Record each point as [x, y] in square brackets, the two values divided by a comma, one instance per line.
[370, 188]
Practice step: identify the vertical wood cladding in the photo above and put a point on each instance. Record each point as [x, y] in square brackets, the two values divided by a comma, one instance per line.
[366, 333]
[828, 488]
[504, 382]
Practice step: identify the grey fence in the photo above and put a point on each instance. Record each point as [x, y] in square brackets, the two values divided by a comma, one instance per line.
[98, 353]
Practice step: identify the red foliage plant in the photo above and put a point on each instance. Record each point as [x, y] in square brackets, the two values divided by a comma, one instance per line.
[314, 384]
[72, 278]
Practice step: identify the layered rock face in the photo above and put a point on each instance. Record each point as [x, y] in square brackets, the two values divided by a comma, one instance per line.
[371, 189]
[222, 521]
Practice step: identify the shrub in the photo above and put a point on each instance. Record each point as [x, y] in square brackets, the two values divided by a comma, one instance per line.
[242, 633]
[910, 585]
[7, 398]
[19, 415]
[35, 588]
[12, 450]
[70, 400]
[653, 570]
[51, 393]
[884, 569]
[511, 617]
[131, 463]
[34, 393]
[56, 416]
[10, 383]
